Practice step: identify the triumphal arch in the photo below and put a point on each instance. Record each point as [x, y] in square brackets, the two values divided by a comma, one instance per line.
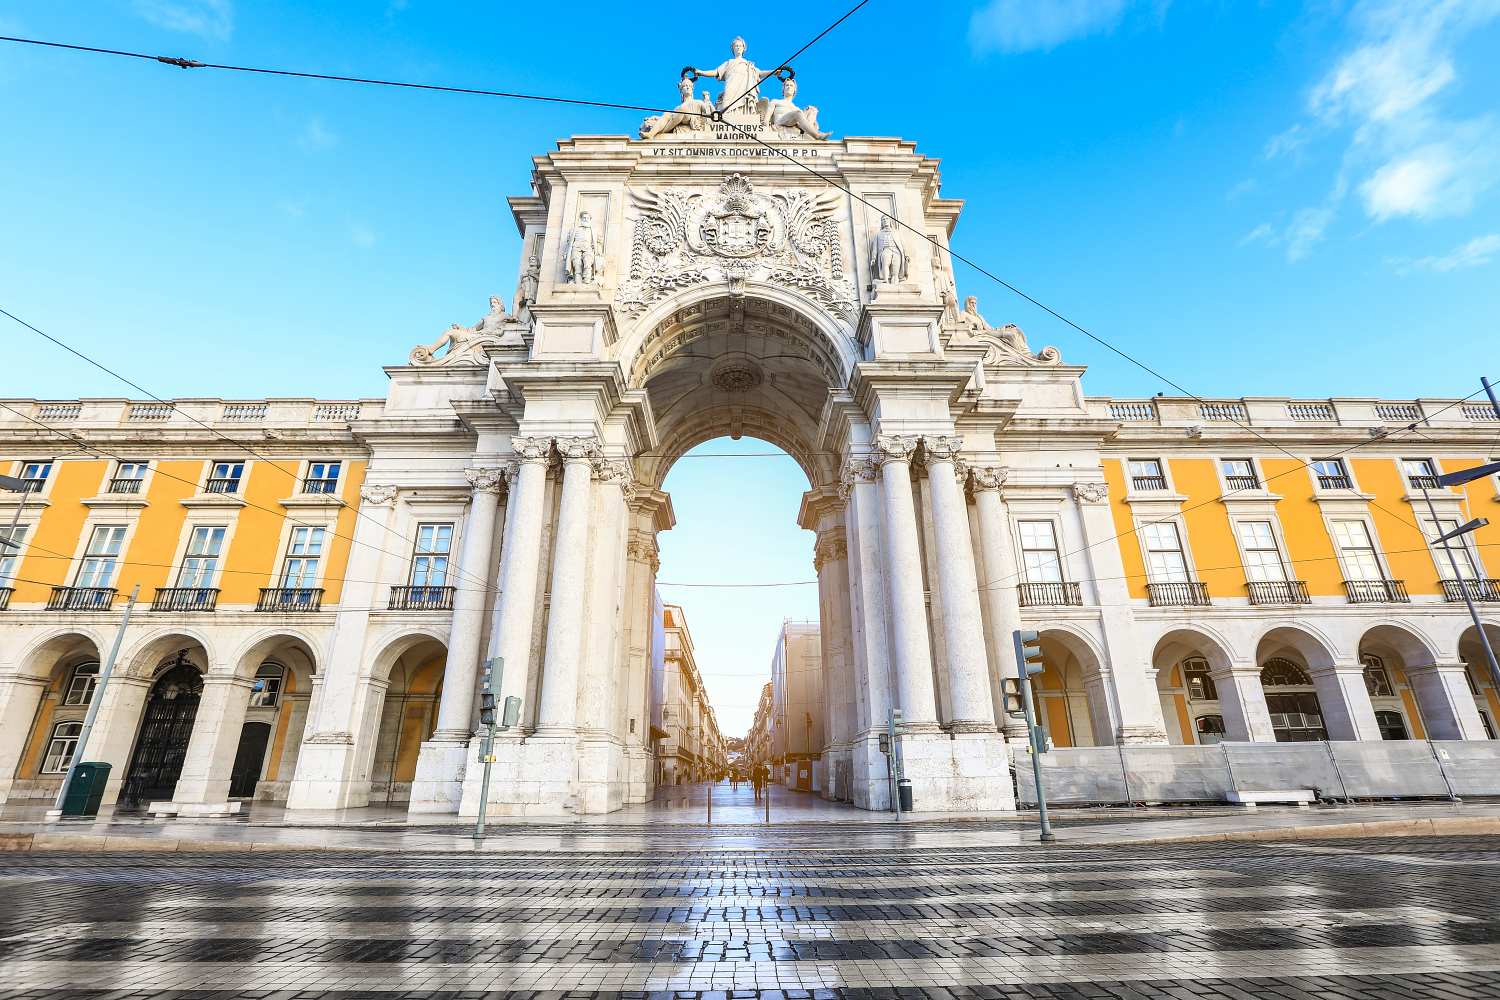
[731, 270]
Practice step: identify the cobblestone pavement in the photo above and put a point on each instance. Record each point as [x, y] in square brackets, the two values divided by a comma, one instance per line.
[1409, 918]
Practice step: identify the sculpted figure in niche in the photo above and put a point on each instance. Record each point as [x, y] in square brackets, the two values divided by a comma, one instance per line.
[464, 343]
[526, 290]
[689, 112]
[583, 251]
[784, 113]
[887, 258]
[741, 79]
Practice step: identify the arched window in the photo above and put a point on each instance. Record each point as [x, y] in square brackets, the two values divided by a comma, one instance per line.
[1210, 729]
[63, 745]
[267, 690]
[81, 684]
[1296, 716]
[1392, 726]
[1200, 686]
[1377, 678]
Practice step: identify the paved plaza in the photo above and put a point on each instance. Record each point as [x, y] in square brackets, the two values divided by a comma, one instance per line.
[788, 911]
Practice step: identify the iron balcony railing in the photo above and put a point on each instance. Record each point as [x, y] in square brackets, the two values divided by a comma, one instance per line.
[1335, 482]
[126, 485]
[222, 486]
[1278, 592]
[290, 599]
[1187, 593]
[1423, 482]
[1242, 482]
[1148, 482]
[1376, 591]
[1050, 595]
[185, 599]
[421, 599]
[5, 593]
[81, 599]
[1453, 590]
[320, 486]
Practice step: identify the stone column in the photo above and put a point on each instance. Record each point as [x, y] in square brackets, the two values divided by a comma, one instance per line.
[520, 567]
[1242, 701]
[116, 726]
[641, 566]
[1136, 701]
[557, 711]
[972, 710]
[911, 650]
[601, 760]
[19, 697]
[438, 783]
[203, 786]
[868, 631]
[998, 587]
[1345, 700]
[1448, 707]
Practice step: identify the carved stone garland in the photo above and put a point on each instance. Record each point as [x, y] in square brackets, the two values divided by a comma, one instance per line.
[682, 238]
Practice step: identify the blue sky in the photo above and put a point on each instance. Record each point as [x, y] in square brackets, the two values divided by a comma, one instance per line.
[1254, 198]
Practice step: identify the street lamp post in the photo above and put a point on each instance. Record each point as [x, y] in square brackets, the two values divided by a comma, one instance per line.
[1444, 537]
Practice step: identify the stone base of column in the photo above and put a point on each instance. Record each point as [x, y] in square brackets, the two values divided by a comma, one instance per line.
[869, 781]
[1138, 735]
[601, 775]
[1014, 730]
[194, 810]
[968, 772]
[324, 766]
[638, 784]
[531, 777]
[438, 785]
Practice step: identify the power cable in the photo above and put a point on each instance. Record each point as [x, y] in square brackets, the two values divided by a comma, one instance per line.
[786, 63]
[354, 508]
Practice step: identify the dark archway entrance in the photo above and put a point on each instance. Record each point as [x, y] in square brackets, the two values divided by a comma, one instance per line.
[166, 728]
[249, 759]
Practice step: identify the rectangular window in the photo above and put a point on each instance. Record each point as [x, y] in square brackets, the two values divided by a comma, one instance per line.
[1420, 473]
[12, 543]
[322, 477]
[1146, 474]
[101, 556]
[128, 477]
[35, 474]
[1331, 474]
[1239, 474]
[81, 685]
[225, 477]
[201, 560]
[302, 554]
[61, 748]
[1357, 550]
[1262, 558]
[1165, 562]
[429, 564]
[1468, 569]
[1039, 552]
[1199, 683]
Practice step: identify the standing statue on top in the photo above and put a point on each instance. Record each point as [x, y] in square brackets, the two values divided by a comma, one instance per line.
[526, 290]
[583, 251]
[740, 76]
[887, 258]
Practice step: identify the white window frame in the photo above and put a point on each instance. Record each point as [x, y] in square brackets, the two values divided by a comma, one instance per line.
[323, 464]
[81, 672]
[446, 555]
[1161, 469]
[1373, 538]
[1432, 529]
[239, 479]
[1222, 460]
[1197, 663]
[214, 559]
[1312, 470]
[47, 478]
[274, 677]
[1433, 470]
[1057, 550]
[1143, 527]
[1276, 540]
[10, 557]
[115, 559]
[1371, 662]
[292, 530]
[63, 758]
[143, 468]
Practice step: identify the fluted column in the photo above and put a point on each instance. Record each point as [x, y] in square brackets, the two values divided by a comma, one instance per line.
[557, 712]
[911, 650]
[867, 611]
[998, 583]
[972, 710]
[520, 565]
[460, 674]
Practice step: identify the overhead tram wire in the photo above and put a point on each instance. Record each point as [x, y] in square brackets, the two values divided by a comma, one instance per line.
[161, 472]
[787, 62]
[354, 508]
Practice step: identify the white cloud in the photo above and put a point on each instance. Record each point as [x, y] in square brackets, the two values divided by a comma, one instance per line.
[1244, 187]
[1263, 233]
[362, 235]
[315, 135]
[1286, 142]
[1476, 253]
[1306, 230]
[208, 18]
[1028, 25]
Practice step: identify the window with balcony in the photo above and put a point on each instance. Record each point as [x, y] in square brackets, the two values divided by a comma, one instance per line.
[1146, 474]
[1168, 582]
[428, 588]
[12, 543]
[81, 684]
[1356, 550]
[1043, 584]
[322, 477]
[1421, 473]
[1200, 685]
[101, 557]
[35, 475]
[1262, 555]
[1463, 556]
[200, 562]
[1239, 474]
[225, 477]
[129, 477]
[304, 550]
[61, 747]
[1332, 474]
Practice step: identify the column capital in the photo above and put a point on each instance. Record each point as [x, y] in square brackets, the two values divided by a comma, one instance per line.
[831, 546]
[857, 471]
[531, 449]
[578, 448]
[642, 548]
[989, 477]
[615, 470]
[1090, 493]
[487, 479]
[942, 447]
[895, 448]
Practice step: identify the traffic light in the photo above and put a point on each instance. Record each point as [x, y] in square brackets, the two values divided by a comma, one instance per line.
[1014, 707]
[1028, 652]
[885, 743]
[486, 708]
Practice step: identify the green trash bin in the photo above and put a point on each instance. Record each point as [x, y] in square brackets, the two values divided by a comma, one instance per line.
[86, 790]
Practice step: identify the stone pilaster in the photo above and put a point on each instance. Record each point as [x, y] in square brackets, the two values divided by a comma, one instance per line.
[911, 651]
[203, 785]
[1000, 577]
[1448, 707]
